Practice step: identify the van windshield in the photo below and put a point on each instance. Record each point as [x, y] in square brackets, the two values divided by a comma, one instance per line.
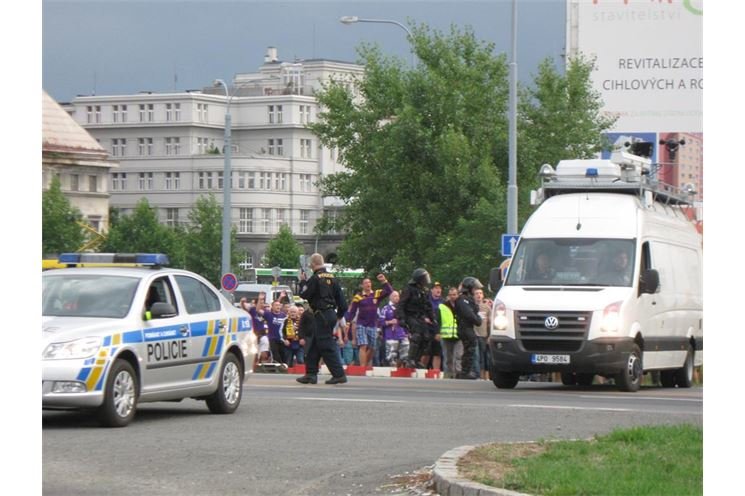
[573, 262]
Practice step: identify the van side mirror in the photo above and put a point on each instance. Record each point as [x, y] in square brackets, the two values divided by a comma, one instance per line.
[495, 279]
[162, 310]
[649, 282]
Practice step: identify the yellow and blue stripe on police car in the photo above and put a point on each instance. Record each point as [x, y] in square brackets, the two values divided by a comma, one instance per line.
[94, 370]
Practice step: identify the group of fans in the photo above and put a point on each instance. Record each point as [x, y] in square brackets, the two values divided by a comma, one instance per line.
[417, 327]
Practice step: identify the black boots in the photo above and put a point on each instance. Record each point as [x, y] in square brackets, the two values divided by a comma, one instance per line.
[307, 379]
[336, 380]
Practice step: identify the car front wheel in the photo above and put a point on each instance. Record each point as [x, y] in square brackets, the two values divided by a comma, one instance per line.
[227, 397]
[120, 396]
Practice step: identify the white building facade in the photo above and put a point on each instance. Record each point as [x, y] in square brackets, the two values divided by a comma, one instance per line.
[170, 150]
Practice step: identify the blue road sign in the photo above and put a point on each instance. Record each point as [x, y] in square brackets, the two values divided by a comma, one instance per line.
[229, 282]
[509, 242]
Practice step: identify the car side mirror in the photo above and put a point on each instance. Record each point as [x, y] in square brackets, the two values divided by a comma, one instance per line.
[495, 279]
[649, 282]
[162, 310]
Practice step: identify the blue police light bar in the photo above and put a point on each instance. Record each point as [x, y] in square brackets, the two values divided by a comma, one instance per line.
[591, 172]
[114, 258]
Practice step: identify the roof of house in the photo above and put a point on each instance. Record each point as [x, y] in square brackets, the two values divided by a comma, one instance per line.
[60, 133]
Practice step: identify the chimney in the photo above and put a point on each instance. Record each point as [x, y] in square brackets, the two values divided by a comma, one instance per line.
[271, 55]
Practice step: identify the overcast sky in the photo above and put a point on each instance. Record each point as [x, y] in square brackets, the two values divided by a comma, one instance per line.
[124, 46]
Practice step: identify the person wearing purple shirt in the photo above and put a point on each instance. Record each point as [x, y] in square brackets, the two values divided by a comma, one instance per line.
[396, 338]
[365, 307]
[275, 320]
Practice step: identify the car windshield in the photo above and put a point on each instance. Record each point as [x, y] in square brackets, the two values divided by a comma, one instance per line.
[87, 295]
[572, 262]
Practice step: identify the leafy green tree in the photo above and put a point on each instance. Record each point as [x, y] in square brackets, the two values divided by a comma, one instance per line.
[426, 152]
[559, 118]
[59, 229]
[140, 232]
[203, 243]
[284, 250]
[420, 149]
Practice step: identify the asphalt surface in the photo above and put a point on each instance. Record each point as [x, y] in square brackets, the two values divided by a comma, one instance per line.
[351, 439]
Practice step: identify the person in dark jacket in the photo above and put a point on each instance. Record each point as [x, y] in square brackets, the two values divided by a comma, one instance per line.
[326, 300]
[467, 315]
[414, 312]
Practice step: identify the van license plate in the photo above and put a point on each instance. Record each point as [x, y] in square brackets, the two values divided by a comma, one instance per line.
[550, 359]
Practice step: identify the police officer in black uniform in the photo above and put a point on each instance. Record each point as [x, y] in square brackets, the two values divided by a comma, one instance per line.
[323, 293]
[467, 315]
[414, 311]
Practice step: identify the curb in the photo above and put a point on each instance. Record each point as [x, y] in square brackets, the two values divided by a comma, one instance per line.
[449, 483]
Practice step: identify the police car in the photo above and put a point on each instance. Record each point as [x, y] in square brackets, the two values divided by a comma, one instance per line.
[115, 336]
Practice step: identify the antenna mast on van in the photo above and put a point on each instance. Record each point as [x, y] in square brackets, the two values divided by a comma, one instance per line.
[629, 170]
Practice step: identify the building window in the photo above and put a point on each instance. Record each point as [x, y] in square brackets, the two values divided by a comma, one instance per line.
[173, 180]
[124, 113]
[92, 184]
[202, 145]
[118, 147]
[74, 182]
[304, 216]
[98, 114]
[305, 183]
[177, 111]
[305, 114]
[266, 217]
[220, 176]
[145, 146]
[115, 113]
[169, 111]
[270, 146]
[281, 218]
[275, 114]
[173, 146]
[265, 181]
[202, 112]
[89, 114]
[305, 148]
[172, 217]
[145, 181]
[280, 181]
[280, 147]
[246, 224]
[248, 262]
[206, 180]
[118, 181]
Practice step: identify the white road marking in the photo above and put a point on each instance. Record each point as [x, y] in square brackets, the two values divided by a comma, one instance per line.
[657, 398]
[350, 400]
[554, 407]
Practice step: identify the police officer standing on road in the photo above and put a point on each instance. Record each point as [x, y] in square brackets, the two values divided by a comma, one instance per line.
[414, 311]
[323, 293]
[467, 314]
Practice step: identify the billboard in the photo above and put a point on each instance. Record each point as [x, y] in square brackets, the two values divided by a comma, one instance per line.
[649, 72]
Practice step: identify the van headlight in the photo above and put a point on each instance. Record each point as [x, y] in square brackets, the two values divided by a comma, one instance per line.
[80, 348]
[611, 321]
[499, 310]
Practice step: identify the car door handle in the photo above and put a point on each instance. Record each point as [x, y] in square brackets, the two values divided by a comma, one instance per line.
[184, 330]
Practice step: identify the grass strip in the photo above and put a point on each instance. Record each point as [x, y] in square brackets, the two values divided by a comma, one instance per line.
[654, 461]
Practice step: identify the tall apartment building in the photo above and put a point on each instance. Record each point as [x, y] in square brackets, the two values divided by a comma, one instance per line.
[170, 150]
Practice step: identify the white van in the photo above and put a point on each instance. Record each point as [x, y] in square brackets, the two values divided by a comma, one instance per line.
[605, 280]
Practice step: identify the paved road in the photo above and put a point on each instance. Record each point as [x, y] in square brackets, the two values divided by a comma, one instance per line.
[330, 440]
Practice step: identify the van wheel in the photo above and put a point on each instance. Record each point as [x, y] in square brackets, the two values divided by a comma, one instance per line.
[568, 378]
[585, 379]
[505, 380]
[120, 396]
[684, 376]
[630, 378]
[229, 388]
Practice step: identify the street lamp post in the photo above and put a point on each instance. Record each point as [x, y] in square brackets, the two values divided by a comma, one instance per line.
[354, 19]
[512, 145]
[226, 183]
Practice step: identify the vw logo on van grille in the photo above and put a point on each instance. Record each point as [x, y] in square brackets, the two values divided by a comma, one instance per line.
[551, 322]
